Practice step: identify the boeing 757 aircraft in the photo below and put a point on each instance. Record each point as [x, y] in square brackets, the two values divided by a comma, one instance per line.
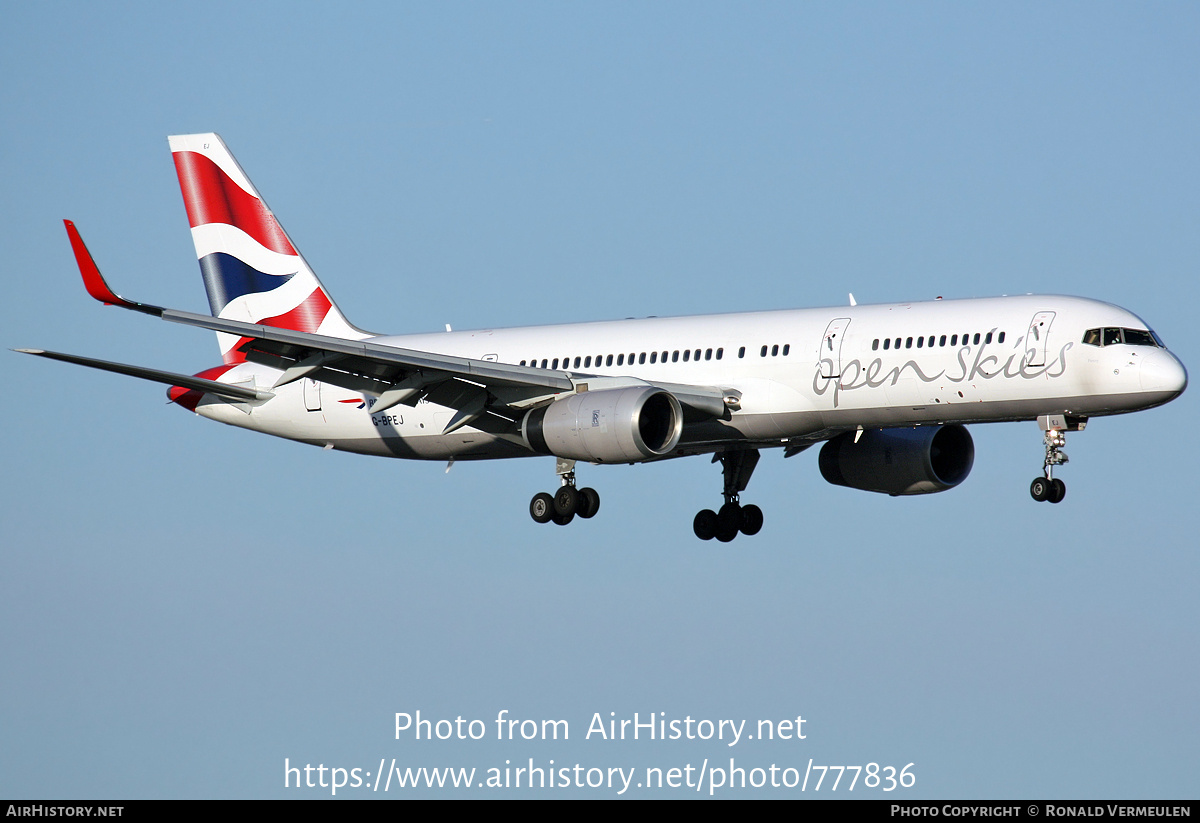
[887, 389]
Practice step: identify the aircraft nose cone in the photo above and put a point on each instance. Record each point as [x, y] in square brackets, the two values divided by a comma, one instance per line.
[1162, 372]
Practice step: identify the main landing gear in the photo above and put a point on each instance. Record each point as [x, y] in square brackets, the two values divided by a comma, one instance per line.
[1050, 488]
[568, 501]
[737, 466]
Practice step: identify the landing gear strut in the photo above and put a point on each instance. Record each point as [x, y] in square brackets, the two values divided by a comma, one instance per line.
[737, 466]
[568, 501]
[1048, 487]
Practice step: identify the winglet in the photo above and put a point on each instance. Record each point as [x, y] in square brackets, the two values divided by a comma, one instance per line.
[94, 282]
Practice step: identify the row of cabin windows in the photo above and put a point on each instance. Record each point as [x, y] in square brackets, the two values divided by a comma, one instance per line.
[933, 340]
[1113, 337]
[631, 358]
[653, 357]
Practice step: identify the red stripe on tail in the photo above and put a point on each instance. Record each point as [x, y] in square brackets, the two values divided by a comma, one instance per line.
[211, 197]
[306, 317]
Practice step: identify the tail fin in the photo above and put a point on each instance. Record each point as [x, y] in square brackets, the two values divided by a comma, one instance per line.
[251, 270]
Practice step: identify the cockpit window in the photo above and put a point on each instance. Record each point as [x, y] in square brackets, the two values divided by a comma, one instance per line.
[1115, 337]
[1137, 337]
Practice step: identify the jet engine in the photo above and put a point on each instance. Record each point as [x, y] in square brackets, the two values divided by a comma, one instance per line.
[609, 426]
[900, 461]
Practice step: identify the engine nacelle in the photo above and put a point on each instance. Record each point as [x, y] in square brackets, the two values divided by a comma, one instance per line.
[609, 426]
[900, 461]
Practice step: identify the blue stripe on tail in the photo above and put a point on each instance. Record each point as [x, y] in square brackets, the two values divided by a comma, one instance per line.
[227, 278]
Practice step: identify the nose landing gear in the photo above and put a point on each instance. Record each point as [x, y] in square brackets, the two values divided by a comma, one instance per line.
[1050, 488]
[737, 466]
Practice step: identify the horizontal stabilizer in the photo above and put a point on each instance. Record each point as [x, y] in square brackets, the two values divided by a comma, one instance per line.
[170, 378]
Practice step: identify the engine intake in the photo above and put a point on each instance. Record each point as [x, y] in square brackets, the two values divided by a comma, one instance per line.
[900, 461]
[610, 426]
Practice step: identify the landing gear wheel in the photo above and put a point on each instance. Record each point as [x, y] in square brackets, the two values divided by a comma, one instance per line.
[566, 502]
[563, 519]
[729, 518]
[705, 524]
[589, 503]
[1058, 490]
[1040, 489]
[752, 520]
[724, 524]
[541, 507]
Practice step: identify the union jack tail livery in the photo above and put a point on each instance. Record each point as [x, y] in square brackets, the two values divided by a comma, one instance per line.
[252, 271]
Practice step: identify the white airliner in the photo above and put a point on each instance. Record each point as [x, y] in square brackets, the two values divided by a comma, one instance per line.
[886, 388]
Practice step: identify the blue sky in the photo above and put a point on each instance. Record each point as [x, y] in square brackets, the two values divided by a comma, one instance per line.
[184, 605]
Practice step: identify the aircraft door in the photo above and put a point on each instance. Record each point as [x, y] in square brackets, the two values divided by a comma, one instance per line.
[1036, 337]
[312, 394]
[830, 355]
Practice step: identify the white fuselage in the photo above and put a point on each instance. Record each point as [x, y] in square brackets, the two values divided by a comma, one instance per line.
[801, 375]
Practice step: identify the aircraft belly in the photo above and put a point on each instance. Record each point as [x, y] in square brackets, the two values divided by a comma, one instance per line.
[751, 427]
[434, 447]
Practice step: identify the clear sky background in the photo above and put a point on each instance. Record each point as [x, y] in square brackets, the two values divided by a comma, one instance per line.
[185, 605]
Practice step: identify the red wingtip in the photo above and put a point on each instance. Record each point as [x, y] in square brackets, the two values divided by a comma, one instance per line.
[93, 281]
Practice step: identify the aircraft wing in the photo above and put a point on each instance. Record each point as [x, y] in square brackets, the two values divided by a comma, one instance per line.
[395, 375]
